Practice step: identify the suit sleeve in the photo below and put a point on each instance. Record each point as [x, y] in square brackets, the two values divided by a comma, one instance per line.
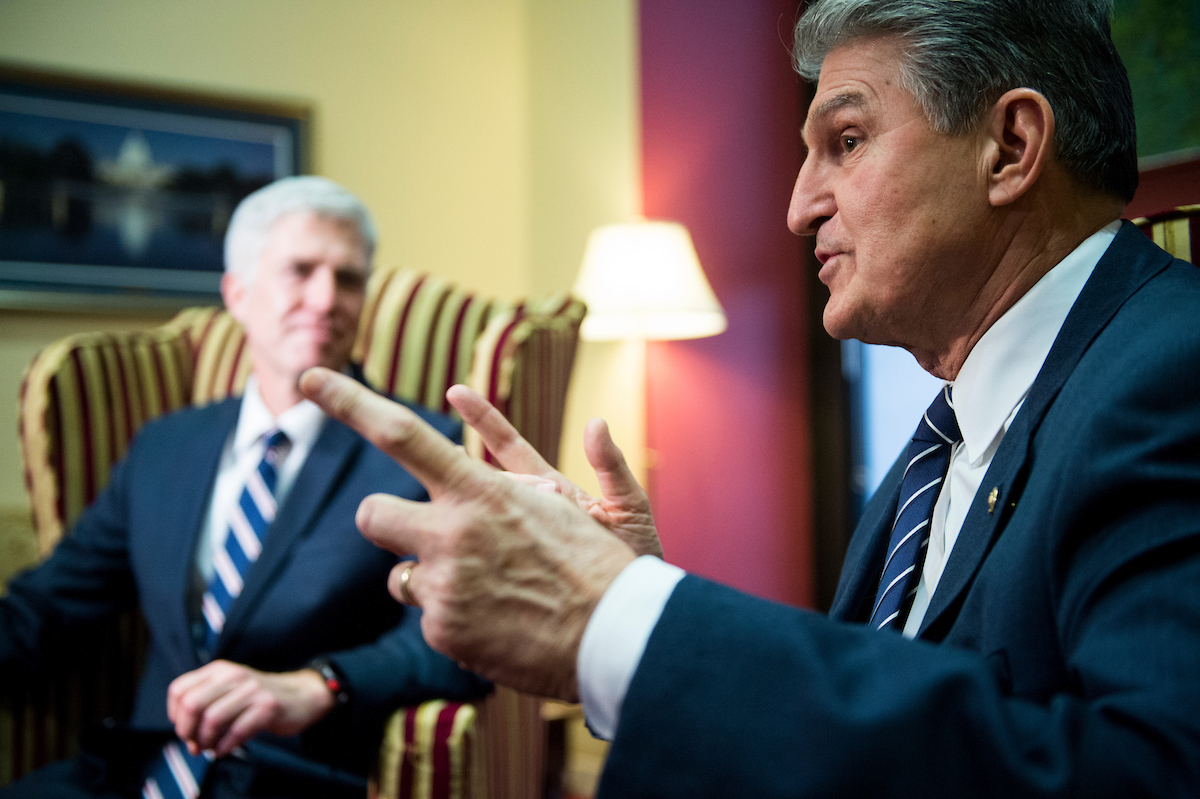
[736, 696]
[1084, 682]
[401, 669]
[50, 608]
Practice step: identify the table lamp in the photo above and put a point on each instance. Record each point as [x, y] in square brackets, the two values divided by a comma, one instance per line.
[643, 280]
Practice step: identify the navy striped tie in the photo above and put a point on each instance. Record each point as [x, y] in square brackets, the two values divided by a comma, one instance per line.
[248, 524]
[928, 460]
[176, 774]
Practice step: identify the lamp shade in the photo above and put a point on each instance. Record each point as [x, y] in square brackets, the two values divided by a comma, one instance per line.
[643, 279]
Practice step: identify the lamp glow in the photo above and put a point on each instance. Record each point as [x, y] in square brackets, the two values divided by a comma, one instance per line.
[643, 279]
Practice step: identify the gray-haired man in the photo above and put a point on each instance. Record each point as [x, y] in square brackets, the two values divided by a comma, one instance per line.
[274, 648]
[1035, 629]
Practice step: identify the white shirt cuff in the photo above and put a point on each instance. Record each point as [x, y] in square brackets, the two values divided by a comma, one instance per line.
[616, 637]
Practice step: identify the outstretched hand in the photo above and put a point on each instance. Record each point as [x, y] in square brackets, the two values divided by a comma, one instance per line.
[623, 506]
[508, 575]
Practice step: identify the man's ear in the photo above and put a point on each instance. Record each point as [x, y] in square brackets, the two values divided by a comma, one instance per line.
[1020, 133]
[233, 292]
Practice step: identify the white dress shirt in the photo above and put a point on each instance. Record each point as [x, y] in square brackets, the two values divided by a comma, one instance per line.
[243, 452]
[988, 393]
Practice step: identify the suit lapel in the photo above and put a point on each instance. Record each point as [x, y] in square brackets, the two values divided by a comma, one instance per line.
[864, 556]
[331, 455]
[200, 448]
[1129, 262]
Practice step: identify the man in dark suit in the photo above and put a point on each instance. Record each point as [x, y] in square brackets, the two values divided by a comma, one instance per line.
[1019, 611]
[274, 646]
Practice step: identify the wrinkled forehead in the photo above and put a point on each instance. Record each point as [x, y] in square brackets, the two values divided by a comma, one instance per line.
[320, 225]
[821, 111]
[309, 235]
[302, 217]
[862, 75]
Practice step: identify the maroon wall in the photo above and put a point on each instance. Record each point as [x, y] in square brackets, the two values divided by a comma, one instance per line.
[727, 416]
[1166, 187]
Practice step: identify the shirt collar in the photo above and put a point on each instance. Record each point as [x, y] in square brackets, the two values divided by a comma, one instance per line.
[302, 422]
[1002, 366]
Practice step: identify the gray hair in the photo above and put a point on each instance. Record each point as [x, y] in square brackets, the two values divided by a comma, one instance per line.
[254, 216]
[960, 56]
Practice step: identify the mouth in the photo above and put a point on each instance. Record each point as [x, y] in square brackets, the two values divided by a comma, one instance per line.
[321, 334]
[826, 254]
[829, 261]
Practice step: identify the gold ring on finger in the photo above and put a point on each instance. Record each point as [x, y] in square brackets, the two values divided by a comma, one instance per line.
[405, 593]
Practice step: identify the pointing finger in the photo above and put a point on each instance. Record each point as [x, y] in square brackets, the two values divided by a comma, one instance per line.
[429, 456]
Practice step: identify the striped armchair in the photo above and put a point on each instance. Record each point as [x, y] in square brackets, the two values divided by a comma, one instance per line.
[84, 397]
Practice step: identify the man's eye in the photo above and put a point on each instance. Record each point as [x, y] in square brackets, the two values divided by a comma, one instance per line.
[850, 143]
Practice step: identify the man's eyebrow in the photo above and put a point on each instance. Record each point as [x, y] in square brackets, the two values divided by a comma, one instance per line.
[848, 99]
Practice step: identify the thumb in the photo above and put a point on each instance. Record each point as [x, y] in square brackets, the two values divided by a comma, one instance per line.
[613, 473]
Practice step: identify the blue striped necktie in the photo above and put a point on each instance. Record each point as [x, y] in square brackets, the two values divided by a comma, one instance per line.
[928, 459]
[176, 774]
[248, 522]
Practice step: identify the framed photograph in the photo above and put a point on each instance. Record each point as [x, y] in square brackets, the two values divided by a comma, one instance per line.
[118, 195]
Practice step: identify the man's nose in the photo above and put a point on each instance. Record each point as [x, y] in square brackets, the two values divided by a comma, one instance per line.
[320, 290]
[812, 201]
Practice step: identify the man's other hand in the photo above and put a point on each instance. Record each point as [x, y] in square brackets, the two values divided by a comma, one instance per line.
[221, 705]
[623, 506]
[508, 576]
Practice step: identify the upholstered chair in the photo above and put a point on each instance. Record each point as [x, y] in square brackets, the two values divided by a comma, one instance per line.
[1174, 230]
[84, 397]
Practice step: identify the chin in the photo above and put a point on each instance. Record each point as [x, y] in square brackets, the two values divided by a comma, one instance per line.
[852, 318]
[335, 361]
[837, 326]
[300, 366]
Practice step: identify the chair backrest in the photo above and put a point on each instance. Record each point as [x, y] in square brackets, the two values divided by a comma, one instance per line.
[1174, 230]
[83, 399]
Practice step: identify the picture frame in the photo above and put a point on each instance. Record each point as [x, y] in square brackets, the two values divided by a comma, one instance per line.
[117, 194]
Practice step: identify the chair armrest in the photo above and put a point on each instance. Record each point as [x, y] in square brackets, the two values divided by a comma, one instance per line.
[430, 749]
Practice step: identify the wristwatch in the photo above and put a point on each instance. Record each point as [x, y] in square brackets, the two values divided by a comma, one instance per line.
[334, 681]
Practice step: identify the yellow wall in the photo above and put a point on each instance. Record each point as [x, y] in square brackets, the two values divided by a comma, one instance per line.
[488, 136]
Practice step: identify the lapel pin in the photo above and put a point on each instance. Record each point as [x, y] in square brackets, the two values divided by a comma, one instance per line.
[992, 497]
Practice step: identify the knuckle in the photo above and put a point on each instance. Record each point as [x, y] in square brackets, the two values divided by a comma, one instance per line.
[340, 401]
[435, 633]
[397, 432]
[208, 732]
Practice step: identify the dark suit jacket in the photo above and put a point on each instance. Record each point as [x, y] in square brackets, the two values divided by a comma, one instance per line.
[1061, 653]
[318, 588]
